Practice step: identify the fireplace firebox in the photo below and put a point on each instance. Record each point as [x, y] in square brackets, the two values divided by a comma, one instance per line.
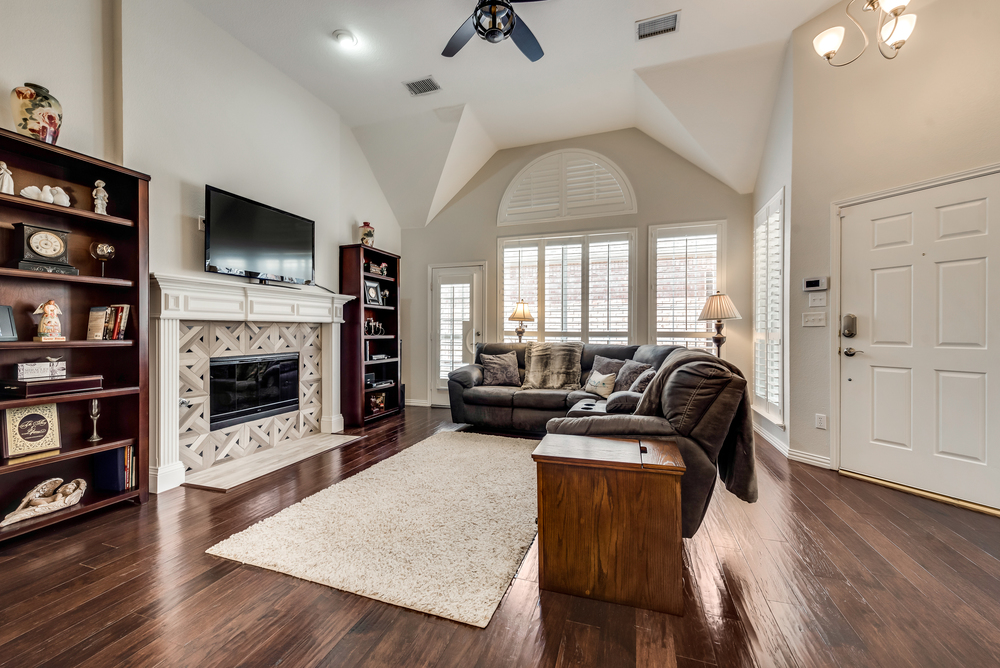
[245, 388]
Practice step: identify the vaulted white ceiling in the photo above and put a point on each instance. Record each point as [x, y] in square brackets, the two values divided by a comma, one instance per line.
[705, 91]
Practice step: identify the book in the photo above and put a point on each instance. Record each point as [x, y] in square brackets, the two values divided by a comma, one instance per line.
[124, 309]
[96, 323]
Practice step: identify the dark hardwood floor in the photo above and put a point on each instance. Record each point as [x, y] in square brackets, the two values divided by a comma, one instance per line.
[823, 571]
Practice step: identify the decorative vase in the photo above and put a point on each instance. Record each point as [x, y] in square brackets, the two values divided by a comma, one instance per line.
[36, 113]
[368, 235]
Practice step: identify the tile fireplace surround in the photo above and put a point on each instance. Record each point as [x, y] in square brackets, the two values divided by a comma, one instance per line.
[245, 318]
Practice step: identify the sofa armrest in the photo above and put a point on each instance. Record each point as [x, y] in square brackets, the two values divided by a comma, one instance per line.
[611, 425]
[467, 376]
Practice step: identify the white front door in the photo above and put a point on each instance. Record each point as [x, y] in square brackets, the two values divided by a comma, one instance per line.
[916, 398]
[456, 324]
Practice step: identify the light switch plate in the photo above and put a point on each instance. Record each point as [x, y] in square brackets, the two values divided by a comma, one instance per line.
[201, 223]
[815, 319]
[817, 299]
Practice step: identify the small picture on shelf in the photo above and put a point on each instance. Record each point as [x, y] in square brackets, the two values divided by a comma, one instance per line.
[377, 403]
[373, 293]
[30, 430]
[8, 331]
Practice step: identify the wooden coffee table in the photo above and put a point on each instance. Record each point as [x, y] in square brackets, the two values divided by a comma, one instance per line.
[609, 520]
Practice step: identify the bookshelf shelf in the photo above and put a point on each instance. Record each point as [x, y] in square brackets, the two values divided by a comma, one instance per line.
[65, 453]
[92, 500]
[23, 203]
[68, 396]
[46, 345]
[43, 276]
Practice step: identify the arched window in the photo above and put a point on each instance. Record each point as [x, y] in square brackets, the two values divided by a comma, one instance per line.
[564, 185]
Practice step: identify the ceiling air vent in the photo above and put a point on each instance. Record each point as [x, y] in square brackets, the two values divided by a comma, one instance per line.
[424, 86]
[658, 25]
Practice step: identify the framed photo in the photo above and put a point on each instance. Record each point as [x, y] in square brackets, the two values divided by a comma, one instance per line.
[8, 332]
[373, 293]
[30, 430]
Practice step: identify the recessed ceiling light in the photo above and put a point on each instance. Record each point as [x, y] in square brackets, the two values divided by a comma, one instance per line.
[345, 38]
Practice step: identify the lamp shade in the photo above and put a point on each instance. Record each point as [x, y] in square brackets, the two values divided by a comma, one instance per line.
[720, 307]
[828, 42]
[893, 6]
[898, 31]
[521, 313]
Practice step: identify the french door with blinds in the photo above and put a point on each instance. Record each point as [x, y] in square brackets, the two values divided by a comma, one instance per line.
[686, 268]
[768, 309]
[456, 323]
[577, 287]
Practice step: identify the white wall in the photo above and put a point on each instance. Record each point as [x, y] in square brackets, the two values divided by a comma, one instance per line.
[200, 108]
[774, 174]
[874, 125]
[62, 46]
[668, 189]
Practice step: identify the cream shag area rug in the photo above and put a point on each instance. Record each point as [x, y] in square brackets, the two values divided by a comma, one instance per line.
[441, 527]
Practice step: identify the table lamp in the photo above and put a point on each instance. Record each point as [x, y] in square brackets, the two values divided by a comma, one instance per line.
[520, 315]
[719, 307]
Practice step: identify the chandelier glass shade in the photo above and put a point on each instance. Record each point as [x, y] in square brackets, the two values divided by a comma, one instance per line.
[894, 28]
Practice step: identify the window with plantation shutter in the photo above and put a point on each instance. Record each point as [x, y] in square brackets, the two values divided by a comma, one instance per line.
[685, 268]
[565, 185]
[768, 312]
[455, 314]
[577, 287]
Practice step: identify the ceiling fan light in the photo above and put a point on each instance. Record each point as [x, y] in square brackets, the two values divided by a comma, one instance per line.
[828, 42]
[893, 7]
[898, 30]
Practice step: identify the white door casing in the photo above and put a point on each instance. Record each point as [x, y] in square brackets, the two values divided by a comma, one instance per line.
[456, 323]
[915, 404]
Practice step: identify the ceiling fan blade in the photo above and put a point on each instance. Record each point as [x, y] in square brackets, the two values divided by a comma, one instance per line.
[460, 38]
[526, 41]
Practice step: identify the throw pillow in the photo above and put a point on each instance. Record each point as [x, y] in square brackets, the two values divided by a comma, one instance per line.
[500, 369]
[601, 383]
[642, 381]
[607, 365]
[552, 366]
[628, 374]
[622, 402]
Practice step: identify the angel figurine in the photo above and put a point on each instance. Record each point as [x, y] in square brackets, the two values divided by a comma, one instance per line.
[100, 198]
[6, 180]
[47, 497]
[49, 327]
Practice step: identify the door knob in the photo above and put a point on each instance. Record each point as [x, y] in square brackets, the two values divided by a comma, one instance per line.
[851, 352]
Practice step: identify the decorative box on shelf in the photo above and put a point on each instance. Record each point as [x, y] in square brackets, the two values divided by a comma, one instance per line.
[40, 387]
[36, 370]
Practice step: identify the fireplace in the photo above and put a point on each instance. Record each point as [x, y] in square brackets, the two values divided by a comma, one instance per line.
[247, 388]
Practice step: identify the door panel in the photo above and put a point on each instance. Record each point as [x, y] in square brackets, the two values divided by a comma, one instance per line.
[456, 324]
[915, 399]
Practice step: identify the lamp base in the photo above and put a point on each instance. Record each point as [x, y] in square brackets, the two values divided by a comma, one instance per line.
[519, 331]
[719, 337]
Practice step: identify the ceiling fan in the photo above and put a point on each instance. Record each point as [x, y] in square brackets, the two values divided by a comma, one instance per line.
[495, 21]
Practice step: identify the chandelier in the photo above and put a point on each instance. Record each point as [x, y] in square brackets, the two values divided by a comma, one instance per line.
[894, 28]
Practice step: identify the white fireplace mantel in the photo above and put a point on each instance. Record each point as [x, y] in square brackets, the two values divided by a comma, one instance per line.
[191, 297]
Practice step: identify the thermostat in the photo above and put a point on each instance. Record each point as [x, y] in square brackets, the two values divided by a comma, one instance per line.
[815, 284]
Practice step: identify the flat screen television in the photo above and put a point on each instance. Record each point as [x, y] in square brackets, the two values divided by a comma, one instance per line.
[247, 238]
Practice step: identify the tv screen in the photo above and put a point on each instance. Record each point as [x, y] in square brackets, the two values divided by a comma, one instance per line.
[246, 238]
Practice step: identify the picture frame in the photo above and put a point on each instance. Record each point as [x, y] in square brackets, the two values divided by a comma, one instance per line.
[373, 293]
[8, 330]
[30, 430]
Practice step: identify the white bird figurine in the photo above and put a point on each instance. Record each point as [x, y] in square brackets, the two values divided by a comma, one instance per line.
[59, 196]
[42, 195]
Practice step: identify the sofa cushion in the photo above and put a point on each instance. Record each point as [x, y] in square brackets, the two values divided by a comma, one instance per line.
[600, 383]
[501, 348]
[592, 350]
[553, 366]
[642, 381]
[653, 355]
[574, 398]
[543, 400]
[622, 402]
[501, 370]
[628, 374]
[690, 392]
[606, 365]
[490, 395]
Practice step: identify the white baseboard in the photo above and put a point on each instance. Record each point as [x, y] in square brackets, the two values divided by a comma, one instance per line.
[167, 477]
[422, 403]
[794, 455]
[331, 424]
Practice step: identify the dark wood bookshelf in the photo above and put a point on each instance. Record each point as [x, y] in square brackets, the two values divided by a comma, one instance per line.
[357, 347]
[124, 420]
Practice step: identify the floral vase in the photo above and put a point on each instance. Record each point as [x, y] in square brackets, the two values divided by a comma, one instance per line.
[367, 235]
[36, 113]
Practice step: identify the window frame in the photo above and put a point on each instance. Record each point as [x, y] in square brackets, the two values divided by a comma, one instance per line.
[761, 405]
[502, 330]
[717, 226]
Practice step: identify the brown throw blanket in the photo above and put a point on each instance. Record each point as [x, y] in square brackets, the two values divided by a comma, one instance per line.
[737, 466]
